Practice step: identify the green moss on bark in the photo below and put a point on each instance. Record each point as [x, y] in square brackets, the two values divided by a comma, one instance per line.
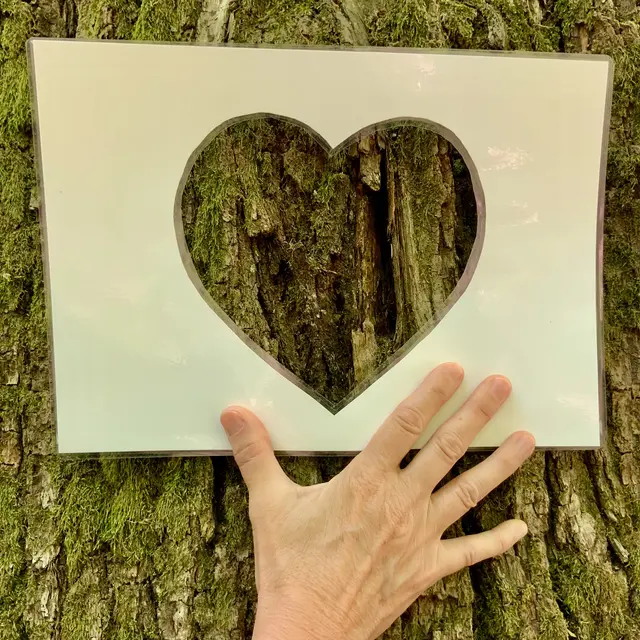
[107, 19]
[167, 20]
[12, 587]
[285, 21]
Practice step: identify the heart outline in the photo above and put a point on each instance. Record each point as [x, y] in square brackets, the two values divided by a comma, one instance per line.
[461, 285]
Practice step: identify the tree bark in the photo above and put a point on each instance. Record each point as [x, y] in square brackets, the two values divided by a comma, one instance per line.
[133, 549]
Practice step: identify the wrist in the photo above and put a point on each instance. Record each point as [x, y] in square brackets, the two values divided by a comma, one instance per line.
[294, 621]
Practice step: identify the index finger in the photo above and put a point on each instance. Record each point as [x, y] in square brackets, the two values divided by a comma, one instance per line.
[401, 430]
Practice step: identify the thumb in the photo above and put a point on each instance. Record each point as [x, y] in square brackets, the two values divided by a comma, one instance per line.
[251, 447]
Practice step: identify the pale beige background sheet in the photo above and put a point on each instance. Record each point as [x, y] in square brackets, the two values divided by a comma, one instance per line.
[143, 363]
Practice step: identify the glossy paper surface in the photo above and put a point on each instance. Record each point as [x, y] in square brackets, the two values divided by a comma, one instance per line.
[144, 361]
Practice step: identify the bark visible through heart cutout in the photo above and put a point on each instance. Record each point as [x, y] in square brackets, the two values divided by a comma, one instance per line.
[329, 261]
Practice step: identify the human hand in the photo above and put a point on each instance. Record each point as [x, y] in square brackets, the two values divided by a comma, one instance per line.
[345, 558]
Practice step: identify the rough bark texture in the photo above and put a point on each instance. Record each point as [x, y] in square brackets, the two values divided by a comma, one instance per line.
[133, 549]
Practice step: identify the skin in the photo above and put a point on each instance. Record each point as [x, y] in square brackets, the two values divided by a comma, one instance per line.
[345, 558]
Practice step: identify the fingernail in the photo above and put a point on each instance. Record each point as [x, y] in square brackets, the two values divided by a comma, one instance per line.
[500, 388]
[232, 421]
[526, 444]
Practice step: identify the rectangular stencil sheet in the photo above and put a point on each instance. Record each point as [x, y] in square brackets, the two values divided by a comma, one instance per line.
[144, 361]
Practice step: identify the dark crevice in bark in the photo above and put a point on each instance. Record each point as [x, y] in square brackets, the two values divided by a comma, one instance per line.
[220, 466]
[478, 574]
[478, 578]
[551, 542]
[70, 17]
[385, 310]
[148, 586]
[466, 210]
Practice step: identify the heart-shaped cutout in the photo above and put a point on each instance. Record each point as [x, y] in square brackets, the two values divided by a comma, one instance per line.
[334, 262]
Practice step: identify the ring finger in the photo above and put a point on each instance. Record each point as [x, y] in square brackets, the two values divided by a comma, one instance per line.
[463, 493]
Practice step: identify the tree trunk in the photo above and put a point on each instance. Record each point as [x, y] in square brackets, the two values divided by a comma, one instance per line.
[133, 549]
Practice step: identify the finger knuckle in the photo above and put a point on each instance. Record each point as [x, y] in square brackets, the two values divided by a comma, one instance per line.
[484, 410]
[442, 394]
[468, 494]
[450, 446]
[410, 420]
[504, 464]
[247, 452]
[470, 556]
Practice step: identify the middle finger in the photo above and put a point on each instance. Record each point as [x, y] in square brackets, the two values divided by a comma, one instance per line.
[449, 443]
